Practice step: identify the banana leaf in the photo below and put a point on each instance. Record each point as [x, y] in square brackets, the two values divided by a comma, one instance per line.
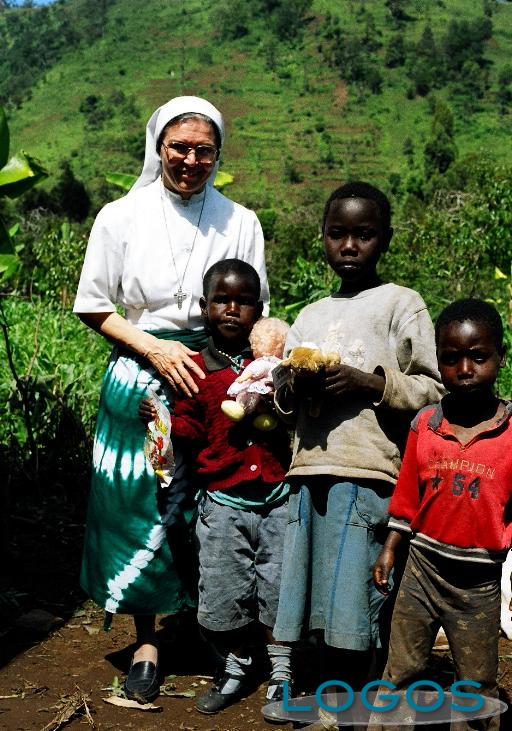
[121, 180]
[4, 139]
[125, 180]
[9, 260]
[222, 179]
[20, 174]
[6, 245]
[9, 264]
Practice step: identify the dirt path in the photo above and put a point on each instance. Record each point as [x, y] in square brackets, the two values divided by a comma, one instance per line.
[40, 681]
[41, 671]
[35, 685]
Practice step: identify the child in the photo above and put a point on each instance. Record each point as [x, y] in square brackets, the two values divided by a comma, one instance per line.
[345, 460]
[452, 501]
[242, 514]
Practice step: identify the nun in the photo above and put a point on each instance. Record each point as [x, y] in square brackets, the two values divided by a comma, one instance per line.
[146, 257]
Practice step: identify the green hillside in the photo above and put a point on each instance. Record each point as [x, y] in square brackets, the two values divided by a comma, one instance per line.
[327, 92]
[415, 95]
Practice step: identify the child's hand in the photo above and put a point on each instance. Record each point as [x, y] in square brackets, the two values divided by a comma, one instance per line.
[147, 411]
[386, 561]
[345, 379]
[308, 384]
[382, 569]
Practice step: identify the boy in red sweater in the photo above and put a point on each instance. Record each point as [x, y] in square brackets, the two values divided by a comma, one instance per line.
[243, 508]
[452, 504]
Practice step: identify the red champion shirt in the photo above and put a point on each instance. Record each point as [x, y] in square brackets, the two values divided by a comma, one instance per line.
[456, 499]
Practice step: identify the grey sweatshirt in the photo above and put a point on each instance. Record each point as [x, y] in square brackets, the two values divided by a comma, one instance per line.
[386, 330]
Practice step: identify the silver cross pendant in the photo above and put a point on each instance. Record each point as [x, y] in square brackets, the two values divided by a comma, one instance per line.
[179, 296]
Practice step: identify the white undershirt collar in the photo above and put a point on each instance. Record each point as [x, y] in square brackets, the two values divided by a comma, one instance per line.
[195, 198]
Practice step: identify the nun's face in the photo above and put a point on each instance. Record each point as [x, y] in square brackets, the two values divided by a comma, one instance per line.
[185, 171]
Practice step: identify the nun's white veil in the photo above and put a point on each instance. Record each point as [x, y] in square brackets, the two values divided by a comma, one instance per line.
[152, 167]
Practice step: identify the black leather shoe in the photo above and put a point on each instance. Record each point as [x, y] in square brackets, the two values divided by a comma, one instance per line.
[214, 701]
[275, 691]
[142, 684]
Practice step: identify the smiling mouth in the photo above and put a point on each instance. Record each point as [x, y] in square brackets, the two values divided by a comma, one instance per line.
[190, 173]
[189, 176]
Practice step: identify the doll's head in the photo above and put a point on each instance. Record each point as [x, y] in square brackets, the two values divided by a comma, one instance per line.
[268, 337]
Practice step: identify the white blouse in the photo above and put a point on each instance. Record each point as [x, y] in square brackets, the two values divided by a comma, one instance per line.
[129, 257]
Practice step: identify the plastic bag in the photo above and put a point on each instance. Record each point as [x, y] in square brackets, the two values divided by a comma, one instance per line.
[157, 444]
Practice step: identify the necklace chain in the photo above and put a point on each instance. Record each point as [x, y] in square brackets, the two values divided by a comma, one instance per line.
[237, 361]
[180, 295]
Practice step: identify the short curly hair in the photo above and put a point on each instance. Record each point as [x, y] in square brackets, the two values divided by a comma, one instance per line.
[474, 310]
[232, 266]
[359, 189]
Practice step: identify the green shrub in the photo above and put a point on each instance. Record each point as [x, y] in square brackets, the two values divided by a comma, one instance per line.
[52, 255]
[49, 411]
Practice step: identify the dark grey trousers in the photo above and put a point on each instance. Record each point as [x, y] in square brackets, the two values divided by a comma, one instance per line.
[463, 598]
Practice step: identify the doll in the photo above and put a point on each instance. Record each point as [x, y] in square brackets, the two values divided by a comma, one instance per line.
[310, 361]
[255, 382]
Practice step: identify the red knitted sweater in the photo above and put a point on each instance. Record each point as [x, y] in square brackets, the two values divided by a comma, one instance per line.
[227, 453]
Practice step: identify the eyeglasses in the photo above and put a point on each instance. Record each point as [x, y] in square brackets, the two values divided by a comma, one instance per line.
[202, 153]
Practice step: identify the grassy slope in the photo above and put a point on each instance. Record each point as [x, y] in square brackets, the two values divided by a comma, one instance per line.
[274, 118]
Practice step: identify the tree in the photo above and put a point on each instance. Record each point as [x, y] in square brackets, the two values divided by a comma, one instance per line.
[68, 197]
[231, 18]
[426, 47]
[288, 18]
[408, 149]
[472, 83]
[440, 150]
[96, 111]
[422, 77]
[425, 70]
[398, 12]
[395, 53]
[504, 91]
[372, 34]
[465, 41]
[354, 64]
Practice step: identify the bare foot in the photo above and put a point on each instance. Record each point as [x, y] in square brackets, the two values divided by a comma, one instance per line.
[146, 652]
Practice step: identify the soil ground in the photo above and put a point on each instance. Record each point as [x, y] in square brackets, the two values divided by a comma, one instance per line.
[45, 670]
[42, 678]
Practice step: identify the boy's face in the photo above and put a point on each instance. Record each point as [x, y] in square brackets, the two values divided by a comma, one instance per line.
[469, 360]
[230, 309]
[354, 239]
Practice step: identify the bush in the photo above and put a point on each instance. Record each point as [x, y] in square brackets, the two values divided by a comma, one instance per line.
[297, 270]
[48, 418]
[96, 111]
[52, 257]
[267, 217]
[68, 197]
[452, 250]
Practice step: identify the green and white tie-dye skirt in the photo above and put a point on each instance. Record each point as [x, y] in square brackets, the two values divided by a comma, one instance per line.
[138, 553]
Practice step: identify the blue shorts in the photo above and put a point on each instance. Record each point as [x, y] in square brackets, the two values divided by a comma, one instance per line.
[240, 558]
[334, 534]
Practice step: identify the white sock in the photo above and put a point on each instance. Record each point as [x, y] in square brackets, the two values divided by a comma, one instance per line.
[235, 668]
[280, 659]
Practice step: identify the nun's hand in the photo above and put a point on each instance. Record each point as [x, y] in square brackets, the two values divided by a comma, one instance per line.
[173, 362]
